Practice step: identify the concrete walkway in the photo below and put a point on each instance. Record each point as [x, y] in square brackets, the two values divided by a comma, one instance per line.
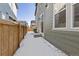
[31, 46]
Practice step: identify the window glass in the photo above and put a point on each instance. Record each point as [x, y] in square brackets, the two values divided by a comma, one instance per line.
[76, 15]
[60, 19]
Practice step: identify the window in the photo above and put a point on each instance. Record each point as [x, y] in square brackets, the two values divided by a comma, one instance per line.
[60, 19]
[76, 15]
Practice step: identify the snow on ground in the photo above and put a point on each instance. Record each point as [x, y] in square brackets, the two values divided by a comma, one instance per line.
[31, 46]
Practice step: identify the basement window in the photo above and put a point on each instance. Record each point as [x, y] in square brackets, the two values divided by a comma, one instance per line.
[60, 19]
[76, 15]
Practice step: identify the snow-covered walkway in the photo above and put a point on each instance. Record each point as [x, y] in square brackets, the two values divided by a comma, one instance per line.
[31, 46]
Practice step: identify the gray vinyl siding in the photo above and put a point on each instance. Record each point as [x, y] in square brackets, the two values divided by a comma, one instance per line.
[66, 39]
[48, 18]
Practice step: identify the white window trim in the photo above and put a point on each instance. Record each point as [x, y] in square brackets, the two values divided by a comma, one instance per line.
[72, 25]
[72, 28]
[59, 28]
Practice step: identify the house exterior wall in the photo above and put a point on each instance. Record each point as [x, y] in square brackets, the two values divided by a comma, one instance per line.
[64, 38]
[57, 7]
[43, 15]
[13, 8]
[47, 18]
[33, 24]
[6, 10]
[40, 9]
[38, 25]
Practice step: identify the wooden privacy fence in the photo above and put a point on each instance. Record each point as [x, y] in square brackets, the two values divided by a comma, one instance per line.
[11, 34]
[22, 32]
